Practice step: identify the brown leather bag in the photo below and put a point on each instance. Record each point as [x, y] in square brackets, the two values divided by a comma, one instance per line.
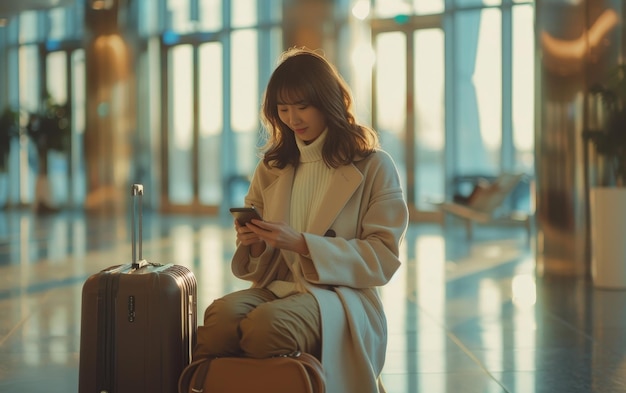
[295, 373]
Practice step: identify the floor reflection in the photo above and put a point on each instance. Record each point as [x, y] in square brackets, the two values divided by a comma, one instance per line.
[462, 316]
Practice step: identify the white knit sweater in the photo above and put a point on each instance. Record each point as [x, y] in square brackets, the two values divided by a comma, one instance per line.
[310, 184]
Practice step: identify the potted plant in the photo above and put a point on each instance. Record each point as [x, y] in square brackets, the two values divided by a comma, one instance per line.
[49, 130]
[607, 201]
[9, 128]
[610, 139]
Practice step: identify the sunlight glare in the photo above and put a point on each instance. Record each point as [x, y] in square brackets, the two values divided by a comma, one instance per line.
[361, 9]
[524, 290]
[363, 56]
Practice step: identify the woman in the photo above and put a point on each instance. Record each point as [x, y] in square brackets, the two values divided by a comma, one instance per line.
[333, 219]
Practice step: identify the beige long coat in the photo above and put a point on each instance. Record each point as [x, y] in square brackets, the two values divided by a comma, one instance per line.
[354, 245]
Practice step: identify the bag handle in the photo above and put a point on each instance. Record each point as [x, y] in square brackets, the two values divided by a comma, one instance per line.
[200, 367]
[194, 375]
[315, 371]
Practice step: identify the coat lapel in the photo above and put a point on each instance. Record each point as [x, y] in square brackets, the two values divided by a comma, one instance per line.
[343, 183]
[277, 196]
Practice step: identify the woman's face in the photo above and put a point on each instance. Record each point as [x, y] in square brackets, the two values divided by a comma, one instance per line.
[306, 121]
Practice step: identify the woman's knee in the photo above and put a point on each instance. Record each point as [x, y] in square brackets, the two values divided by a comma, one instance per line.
[220, 310]
[265, 333]
[219, 336]
[236, 305]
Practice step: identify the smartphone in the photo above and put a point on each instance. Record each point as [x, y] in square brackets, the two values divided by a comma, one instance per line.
[245, 214]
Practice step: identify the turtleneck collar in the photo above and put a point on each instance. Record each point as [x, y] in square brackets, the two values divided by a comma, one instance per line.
[313, 151]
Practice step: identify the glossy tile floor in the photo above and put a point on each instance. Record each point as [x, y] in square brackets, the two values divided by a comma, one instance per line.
[464, 316]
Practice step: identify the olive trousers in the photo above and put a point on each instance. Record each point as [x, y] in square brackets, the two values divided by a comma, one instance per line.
[256, 323]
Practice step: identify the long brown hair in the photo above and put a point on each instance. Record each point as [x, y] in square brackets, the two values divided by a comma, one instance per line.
[306, 76]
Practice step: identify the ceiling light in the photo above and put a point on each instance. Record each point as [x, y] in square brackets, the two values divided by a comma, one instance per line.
[101, 4]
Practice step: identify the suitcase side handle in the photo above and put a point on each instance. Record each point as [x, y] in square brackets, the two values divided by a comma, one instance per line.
[137, 226]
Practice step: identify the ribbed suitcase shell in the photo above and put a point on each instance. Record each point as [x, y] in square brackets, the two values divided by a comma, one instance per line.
[138, 328]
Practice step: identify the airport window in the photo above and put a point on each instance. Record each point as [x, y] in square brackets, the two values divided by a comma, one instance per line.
[450, 90]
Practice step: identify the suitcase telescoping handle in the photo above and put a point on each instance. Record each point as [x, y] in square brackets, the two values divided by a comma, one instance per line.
[137, 226]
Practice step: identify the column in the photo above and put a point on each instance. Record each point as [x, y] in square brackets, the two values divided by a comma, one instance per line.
[308, 23]
[110, 110]
[577, 42]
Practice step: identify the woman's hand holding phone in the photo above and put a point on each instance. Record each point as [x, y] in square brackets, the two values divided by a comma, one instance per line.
[256, 235]
[245, 236]
[244, 215]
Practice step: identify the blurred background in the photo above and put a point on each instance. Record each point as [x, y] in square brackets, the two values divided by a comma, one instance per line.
[167, 92]
[99, 94]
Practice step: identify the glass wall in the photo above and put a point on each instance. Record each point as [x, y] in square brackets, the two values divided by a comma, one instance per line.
[449, 90]
[211, 121]
[45, 67]
[180, 139]
[478, 97]
[429, 109]
[216, 70]
[523, 73]
[470, 113]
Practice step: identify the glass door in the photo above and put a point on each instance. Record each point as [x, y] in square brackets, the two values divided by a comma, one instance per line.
[65, 86]
[212, 92]
[193, 131]
[408, 105]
